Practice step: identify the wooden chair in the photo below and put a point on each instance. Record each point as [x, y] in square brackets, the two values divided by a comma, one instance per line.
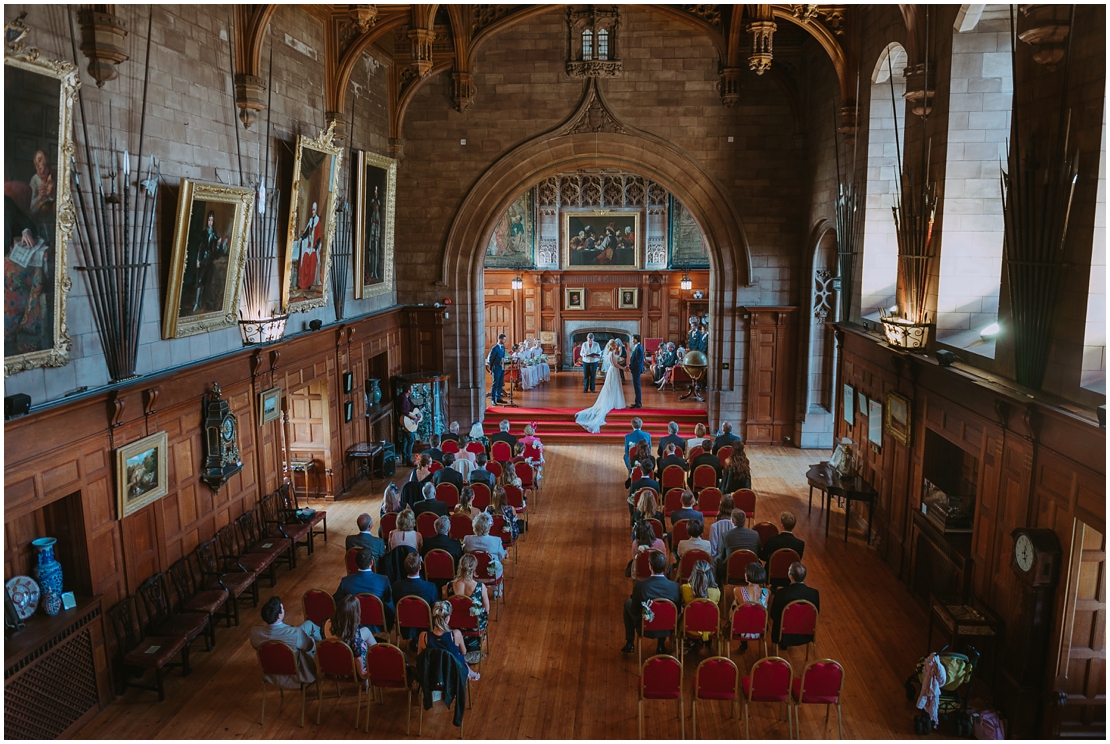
[698, 617]
[318, 521]
[766, 530]
[501, 451]
[234, 558]
[386, 670]
[476, 447]
[679, 377]
[162, 621]
[694, 452]
[673, 477]
[426, 524]
[656, 527]
[461, 526]
[800, 618]
[413, 613]
[687, 562]
[235, 582]
[665, 619]
[820, 684]
[723, 454]
[349, 560]
[448, 493]
[277, 659]
[716, 678]
[336, 662]
[709, 502]
[527, 476]
[257, 540]
[462, 679]
[769, 682]
[318, 606]
[532, 452]
[467, 624]
[482, 495]
[679, 532]
[450, 445]
[661, 679]
[193, 597]
[277, 522]
[778, 568]
[672, 501]
[738, 562]
[744, 500]
[138, 650]
[704, 477]
[747, 620]
[371, 611]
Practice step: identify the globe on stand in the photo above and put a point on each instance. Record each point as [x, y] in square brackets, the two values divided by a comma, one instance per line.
[695, 363]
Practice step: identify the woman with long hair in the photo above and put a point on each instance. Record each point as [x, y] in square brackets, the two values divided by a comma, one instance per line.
[466, 504]
[499, 505]
[647, 505]
[755, 590]
[738, 471]
[703, 585]
[422, 473]
[465, 585]
[345, 625]
[406, 533]
[445, 639]
[391, 499]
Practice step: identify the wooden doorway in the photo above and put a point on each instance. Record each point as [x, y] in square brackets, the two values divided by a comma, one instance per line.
[308, 432]
[1081, 671]
[499, 319]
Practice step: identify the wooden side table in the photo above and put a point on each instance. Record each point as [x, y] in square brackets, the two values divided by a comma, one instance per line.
[304, 467]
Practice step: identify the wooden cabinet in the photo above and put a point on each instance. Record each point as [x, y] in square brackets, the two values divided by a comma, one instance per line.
[771, 374]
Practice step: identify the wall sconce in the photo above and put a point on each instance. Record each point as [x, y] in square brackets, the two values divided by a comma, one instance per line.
[686, 284]
[518, 283]
[262, 330]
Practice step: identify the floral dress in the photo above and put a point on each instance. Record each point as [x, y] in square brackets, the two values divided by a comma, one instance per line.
[477, 611]
[740, 596]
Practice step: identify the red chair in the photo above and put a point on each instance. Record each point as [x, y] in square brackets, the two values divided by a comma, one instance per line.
[349, 561]
[318, 606]
[657, 528]
[461, 526]
[738, 562]
[820, 684]
[744, 500]
[450, 445]
[637, 474]
[527, 476]
[769, 682]
[679, 532]
[723, 454]
[673, 477]
[277, 659]
[385, 666]
[704, 477]
[709, 502]
[766, 530]
[435, 466]
[694, 452]
[641, 567]
[748, 620]
[388, 524]
[476, 447]
[439, 565]
[661, 679]
[800, 618]
[371, 611]
[482, 495]
[426, 524]
[665, 618]
[672, 501]
[778, 568]
[447, 493]
[336, 662]
[716, 678]
[651, 345]
[467, 624]
[495, 467]
[412, 613]
[698, 617]
[532, 452]
[486, 576]
[514, 497]
[577, 353]
[500, 528]
[686, 564]
[501, 451]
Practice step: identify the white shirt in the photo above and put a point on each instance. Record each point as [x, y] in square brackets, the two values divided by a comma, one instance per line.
[591, 348]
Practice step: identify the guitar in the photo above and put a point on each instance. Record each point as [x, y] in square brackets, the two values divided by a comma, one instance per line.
[411, 421]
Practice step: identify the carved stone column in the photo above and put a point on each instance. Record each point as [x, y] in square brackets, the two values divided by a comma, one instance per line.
[729, 86]
[421, 39]
[103, 38]
[339, 120]
[248, 97]
[397, 148]
[464, 90]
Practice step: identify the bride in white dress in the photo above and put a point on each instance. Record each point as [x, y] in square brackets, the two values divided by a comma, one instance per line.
[611, 396]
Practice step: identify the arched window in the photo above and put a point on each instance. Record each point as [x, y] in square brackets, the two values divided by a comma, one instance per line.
[587, 44]
[978, 126]
[1093, 376]
[603, 44]
[885, 133]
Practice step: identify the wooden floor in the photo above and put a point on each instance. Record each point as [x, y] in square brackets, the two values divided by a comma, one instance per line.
[556, 671]
[564, 390]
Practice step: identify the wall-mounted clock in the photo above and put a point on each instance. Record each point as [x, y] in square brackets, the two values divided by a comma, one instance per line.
[221, 440]
[1036, 556]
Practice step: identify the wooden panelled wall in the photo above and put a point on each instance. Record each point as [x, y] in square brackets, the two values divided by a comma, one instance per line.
[67, 450]
[663, 311]
[1040, 466]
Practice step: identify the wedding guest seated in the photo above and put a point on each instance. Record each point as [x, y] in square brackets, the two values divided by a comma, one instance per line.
[647, 507]
[647, 465]
[406, 533]
[452, 432]
[433, 450]
[687, 511]
[726, 438]
[508, 477]
[738, 538]
[671, 438]
[503, 435]
[784, 539]
[675, 356]
[275, 629]
[531, 441]
[345, 625]
[414, 586]
[671, 456]
[706, 458]
[722, 524]
[643, 539]
[391, 500]
[633, 438]
[702, 585]
[413, 490]
[499, 505]
[466, 504]
[664, 360]
[422, 473]
[755, 590]
[429, 503]
[482, 540]
[365, 538]
[445, 639]
[738, 471]
[695, 541]
[448, 474]
[463, 465]
[365, 581]
[479, 474]
[656, 586]
[700, 432]
[442, 540]
[786, 595]
[477, 434]
[465, 585]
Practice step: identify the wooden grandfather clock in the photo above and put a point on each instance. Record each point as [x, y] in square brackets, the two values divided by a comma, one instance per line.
[1035, 560]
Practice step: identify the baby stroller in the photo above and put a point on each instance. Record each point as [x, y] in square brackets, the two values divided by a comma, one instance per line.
[959, 673]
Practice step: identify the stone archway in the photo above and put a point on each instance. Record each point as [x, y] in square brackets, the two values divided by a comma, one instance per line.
[594, 137]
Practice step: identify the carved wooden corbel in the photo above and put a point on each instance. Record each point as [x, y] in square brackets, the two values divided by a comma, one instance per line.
[256, 363]
[150, 399]
[275, 355]
[1031, 419]
[116, 406]
[1001, 412]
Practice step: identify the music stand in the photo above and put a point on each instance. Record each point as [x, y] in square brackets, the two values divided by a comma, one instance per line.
[512, 363]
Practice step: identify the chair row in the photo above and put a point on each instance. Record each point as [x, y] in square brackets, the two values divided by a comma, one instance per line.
[771, 680]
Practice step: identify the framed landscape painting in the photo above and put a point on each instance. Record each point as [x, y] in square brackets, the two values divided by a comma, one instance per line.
[513, 241]
[898, 417]
[375, 182]
[269, 405]
[601, 240]
[141, 474]
[209, 252]
[38, 207]
[311, 223]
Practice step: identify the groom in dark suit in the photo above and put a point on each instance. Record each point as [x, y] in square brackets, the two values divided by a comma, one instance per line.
[636, 369]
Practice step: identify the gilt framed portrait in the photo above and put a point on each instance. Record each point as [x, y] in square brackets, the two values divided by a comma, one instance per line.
[38, 206]
[574, 298]
[311, 223]
[629, 298]
[375, 200]
[141, 473]
[898, 417]
[269, 406]
[601, 239]
[209, 252]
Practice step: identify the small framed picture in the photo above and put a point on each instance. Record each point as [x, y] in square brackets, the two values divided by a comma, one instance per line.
[898, 417]
[269, 406]
[574, 298]
[348, 411]
[141, 473]
[348, 381]
[849, 405]
[861, 399]
[629, 298]
[875, 424]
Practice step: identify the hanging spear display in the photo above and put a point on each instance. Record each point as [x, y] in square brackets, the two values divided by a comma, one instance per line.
[343, 253]
[115, 228]
[848, 226]
[1037, 192]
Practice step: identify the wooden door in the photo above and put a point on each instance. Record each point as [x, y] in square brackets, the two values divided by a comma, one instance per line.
[309, 431]
[499, 319]
[770, 382]
[1082, 675]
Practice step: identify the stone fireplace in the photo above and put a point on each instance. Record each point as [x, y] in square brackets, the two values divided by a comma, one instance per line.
[574, 331]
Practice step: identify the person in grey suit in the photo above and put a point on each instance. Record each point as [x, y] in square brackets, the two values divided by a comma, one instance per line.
[656, 586]
[275, 629]
[366, 539]
[738, 538]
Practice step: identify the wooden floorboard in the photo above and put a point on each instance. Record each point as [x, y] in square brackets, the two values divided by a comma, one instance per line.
[556, 671]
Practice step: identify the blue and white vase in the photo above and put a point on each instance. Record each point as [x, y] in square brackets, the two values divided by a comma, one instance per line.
[48, 572]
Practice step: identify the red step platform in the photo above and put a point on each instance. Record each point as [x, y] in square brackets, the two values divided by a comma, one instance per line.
[557, 425]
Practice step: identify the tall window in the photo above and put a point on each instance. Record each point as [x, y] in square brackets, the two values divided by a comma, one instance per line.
[978, 128]
[587, 44]
[1094, 337]
[886, 130]
[603, 44]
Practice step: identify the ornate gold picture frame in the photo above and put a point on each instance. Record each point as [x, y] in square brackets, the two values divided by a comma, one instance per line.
[269, 406]
[574, 298]
[375, 181]
[38, 147]
[311, 223]
[601, 239]
[899, 416]
[629, 298]
[142, 476]
[209, 252]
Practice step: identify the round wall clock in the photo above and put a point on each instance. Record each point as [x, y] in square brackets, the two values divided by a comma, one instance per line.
[1024, 553]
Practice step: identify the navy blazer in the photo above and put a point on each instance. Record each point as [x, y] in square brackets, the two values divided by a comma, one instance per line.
[425, 590]
[636, 360]
[496, 355]
[438, 508]
[783, 597]
[655, 587]
[725, 440]
[368, 582]
[679, 443]
[448, 475]
[375, 545]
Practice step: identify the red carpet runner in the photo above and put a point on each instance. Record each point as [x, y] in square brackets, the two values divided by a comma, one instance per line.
[557, 426]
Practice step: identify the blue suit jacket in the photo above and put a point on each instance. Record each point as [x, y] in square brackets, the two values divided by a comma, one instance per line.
[636, 360]
[496, 355]
[633, 437]
[368, 582]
